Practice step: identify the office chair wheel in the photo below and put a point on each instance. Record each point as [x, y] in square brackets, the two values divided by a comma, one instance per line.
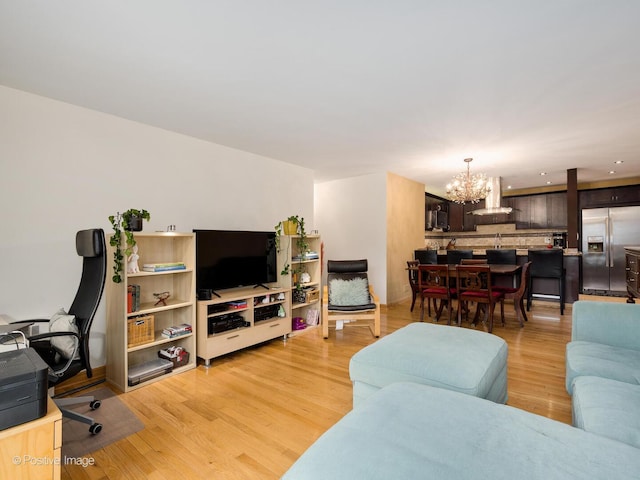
[95, 404]
[95, 428]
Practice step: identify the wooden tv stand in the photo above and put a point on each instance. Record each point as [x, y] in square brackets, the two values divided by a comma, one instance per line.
[256, 307]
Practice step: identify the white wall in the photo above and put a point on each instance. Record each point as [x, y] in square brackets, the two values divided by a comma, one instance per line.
[351, 215]
[64, 168]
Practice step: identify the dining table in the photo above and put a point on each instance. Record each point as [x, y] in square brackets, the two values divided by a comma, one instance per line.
[496, 269]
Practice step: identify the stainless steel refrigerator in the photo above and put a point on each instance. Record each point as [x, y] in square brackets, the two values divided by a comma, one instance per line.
[605, 233]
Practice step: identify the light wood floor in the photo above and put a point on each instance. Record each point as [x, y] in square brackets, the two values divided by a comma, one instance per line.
[253, 413]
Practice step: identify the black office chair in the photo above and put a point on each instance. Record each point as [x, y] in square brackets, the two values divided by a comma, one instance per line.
[547, 264]
[455, 256]
[426, 257]
[90, 245]
[501, 256]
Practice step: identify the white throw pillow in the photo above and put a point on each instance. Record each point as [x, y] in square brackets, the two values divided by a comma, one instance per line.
[64, 345]
[349, 293]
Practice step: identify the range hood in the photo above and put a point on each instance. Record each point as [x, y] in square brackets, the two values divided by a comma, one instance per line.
[493, 199]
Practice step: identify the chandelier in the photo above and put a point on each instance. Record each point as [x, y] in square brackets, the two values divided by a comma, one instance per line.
[465, 187]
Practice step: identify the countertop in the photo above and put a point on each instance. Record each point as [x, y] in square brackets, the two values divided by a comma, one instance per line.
[568, 252]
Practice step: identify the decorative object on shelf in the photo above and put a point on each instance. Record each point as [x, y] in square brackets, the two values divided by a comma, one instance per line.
[286, 227]
[298, 323]
[176, 354]
[162, 298]
[465, 187]
[305, 277]
[132, 260]
[129, 222]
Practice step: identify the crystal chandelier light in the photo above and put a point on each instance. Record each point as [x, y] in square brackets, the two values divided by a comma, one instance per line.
[465, 187]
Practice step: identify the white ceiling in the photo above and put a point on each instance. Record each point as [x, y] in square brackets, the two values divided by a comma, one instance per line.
[352, 87]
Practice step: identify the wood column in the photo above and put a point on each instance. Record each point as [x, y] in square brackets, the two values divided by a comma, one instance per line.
[572, 208]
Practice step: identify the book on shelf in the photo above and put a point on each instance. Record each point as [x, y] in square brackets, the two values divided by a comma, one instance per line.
[163, 267]
[133, 298]
[306, 256]
[313, 317]
[177, 330]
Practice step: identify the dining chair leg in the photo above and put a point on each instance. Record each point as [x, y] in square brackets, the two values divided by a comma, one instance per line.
[490, 310]
[522, 311]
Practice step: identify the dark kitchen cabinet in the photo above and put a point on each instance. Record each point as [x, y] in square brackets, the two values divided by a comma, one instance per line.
[557, 210]
[542, 211]
[538, 206]
[610, 197]
[521, 213]
[456, 216]
[546, 210]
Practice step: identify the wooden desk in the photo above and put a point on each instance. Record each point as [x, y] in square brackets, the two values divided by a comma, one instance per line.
[32, 450]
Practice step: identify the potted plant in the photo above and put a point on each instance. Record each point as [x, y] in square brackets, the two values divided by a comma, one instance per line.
[293, 225]
[127, 222]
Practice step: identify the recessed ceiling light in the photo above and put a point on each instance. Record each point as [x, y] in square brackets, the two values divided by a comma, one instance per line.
[549, 182]
[508, 187]
[611, 172]
[543, 173]
[618, 162]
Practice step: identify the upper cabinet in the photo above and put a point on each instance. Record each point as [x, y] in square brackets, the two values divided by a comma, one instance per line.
[548, 210]
[608, 197]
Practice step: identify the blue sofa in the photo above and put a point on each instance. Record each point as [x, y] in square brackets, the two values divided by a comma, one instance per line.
[416, 431]
[410, 430]
[603, 369]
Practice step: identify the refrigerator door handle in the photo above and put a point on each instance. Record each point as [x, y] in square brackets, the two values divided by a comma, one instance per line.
[609, 258]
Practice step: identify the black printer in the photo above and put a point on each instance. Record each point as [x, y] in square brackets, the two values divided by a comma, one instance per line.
[23, 387]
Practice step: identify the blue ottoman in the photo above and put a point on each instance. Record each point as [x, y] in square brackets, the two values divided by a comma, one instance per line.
[454, 358]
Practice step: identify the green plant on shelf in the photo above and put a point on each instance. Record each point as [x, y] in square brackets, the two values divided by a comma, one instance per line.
[126, 222]
[293, 225]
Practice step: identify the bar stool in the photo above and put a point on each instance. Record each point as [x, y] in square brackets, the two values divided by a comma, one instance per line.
[502, 256]
[548, 264]
[426, 257]
[455, 256]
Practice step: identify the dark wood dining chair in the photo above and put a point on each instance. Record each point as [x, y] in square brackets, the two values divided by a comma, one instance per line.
[412, 269]
[517, 295]
[434, 284]
[474, 285]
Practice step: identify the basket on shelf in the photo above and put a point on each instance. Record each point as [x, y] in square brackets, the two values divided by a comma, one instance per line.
[306, 295]
[140, 330]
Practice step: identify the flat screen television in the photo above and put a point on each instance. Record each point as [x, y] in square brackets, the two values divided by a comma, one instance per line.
[233, 258]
